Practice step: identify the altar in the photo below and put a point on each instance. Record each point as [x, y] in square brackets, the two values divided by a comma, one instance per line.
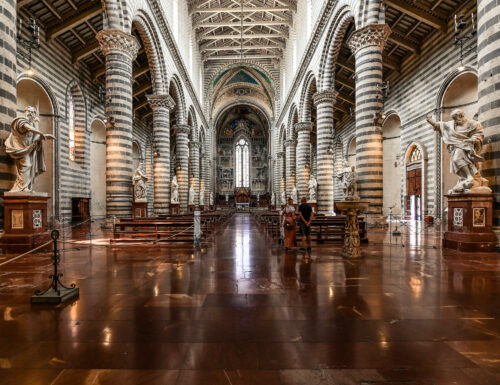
[242, 199]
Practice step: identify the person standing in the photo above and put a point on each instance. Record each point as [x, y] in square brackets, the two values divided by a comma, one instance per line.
[306, 216]
[288, 224]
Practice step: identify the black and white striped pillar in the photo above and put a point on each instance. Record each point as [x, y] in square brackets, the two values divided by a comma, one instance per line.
[161, 105]
[8, 100]
[119, 49]
[194, 159]
[290, 165]
[367, 44]
[324, 101]
[488, 52]
[303, 167]
[182, 166]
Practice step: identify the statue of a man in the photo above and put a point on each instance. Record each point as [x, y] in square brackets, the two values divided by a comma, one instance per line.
[211, 198]
[273, 198]
[295, 195]
[348, 179]
[464, 139]
[174, 191]
[140, 189]
[283, 198]
[313, 187]
[24, 145]
[202, 197]
[191, 195]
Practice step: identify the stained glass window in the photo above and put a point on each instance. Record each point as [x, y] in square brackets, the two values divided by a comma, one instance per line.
[242, 164]
[71, 127]
[415, 155]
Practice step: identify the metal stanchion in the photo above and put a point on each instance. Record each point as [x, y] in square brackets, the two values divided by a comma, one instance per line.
[56, 293]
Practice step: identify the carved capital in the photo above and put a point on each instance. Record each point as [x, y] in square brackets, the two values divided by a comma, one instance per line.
[303, 126]
[182, 129]
[161, 101]
[326, 96]
[280, 154]
[114, 40]
[194, 144]
[371, 35]
[290, 142]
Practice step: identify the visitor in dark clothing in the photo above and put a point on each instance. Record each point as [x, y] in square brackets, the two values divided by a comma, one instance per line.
[306, 216]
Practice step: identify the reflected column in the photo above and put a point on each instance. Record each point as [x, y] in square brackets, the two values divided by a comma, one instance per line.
[182, 167]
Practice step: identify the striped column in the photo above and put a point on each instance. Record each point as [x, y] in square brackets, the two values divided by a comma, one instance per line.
[119, 49]
[204, 176]
[194, 160]
[324, 102]
[161, 105]
[303, 157]
[280, 181]
[367, 45]
[488, 52]
[290, 166]
[182, 148]
[8, 102]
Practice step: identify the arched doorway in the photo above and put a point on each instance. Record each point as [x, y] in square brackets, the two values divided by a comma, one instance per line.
[392, 172]
[98, 169]
[31, 93]
[413, 198]
[460, 93]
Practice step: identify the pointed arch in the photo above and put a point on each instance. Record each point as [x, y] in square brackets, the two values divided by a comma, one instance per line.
[306, 96]
[176, 91]
[293, 117]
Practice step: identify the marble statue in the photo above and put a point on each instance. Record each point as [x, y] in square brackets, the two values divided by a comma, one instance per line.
[140, 189]
[348, 178]
[464, 139]
[211, 198]
[202, 197]
[191, 195]
[313, 187]
[227, 197]
[295, 195]
[258, 197]
[174, 191]
[283, 198]
[273, 198]
[24, 145]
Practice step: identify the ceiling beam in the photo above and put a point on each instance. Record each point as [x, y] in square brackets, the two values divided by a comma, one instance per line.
[419, 14]
[140, 105]
[245, 36]
[22, 3]
[89, 49]
[210, 24]
[142, 89]
[72, 19]
[276, 8]
[237, 47]
[236, 57]
[404, 43]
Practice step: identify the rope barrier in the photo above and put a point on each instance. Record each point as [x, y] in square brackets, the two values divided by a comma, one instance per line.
[155, 242]
[26, 253]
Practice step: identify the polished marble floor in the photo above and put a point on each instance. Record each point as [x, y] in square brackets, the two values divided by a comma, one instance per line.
[242, 311]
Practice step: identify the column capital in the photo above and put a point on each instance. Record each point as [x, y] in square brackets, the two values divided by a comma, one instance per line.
[325, 96]
[371, 35]
[194, 144]
[162, 101]
[182, 129]
[280, 154]
[303, 126]
[290, 142]
[114, 40]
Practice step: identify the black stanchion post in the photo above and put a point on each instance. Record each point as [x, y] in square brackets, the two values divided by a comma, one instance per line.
[56, 293]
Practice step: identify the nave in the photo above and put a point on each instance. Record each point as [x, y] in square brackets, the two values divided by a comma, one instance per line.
[241, 310]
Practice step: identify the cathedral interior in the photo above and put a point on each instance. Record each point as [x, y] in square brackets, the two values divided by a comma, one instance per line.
[244, 192]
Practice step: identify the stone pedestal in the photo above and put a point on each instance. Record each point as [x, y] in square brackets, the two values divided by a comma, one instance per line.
[351, 210]
[139, 209]
[470, 221]
[174, 209]
[25, 220]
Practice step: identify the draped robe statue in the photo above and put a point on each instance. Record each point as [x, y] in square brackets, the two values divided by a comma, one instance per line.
[273, 198]
[211, 198]
[24, 145]
[202, 197]
[174, 191]
[348, 179]
[140, 189]
[283, 198]
[464, 140]
[295, 195]
[313, 187]
[191, 196]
